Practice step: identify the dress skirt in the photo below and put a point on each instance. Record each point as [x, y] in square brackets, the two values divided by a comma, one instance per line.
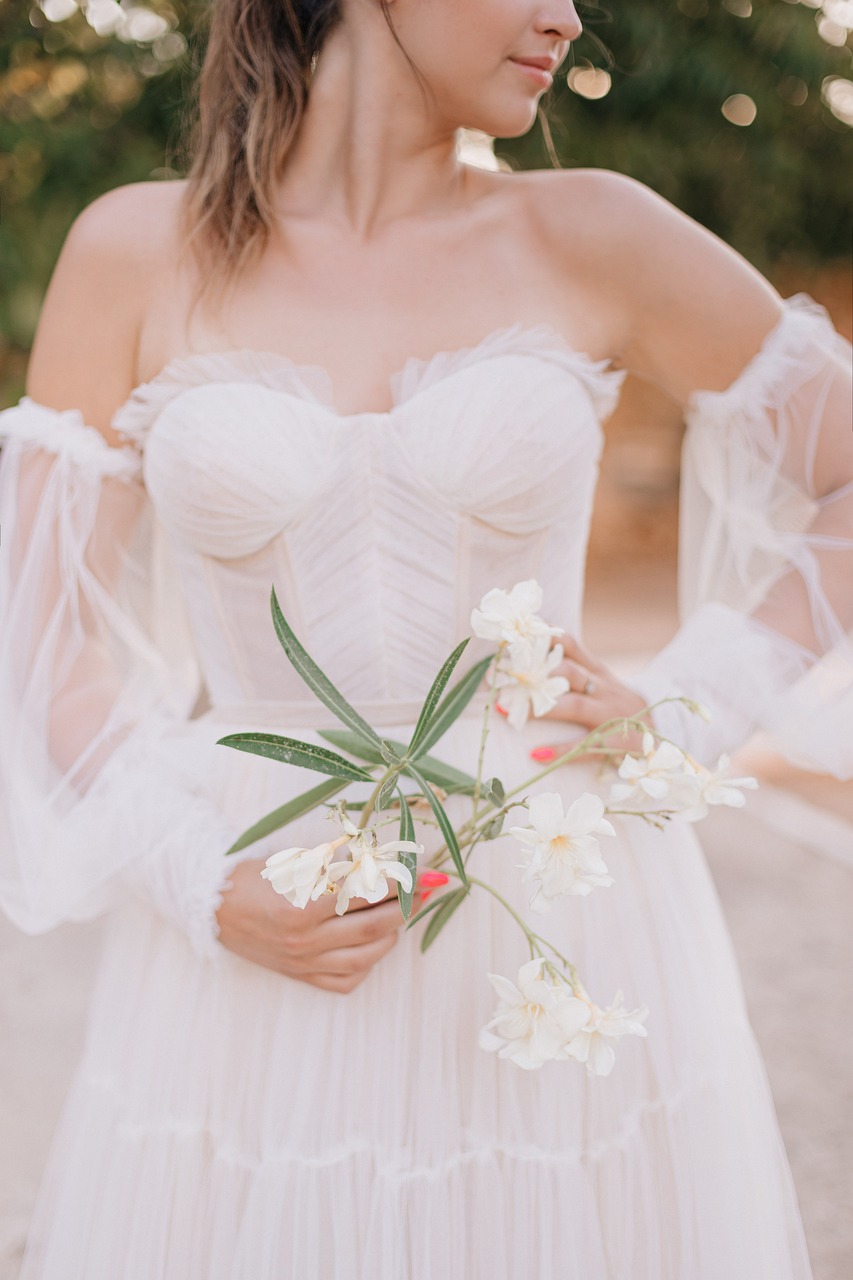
[229, 1123]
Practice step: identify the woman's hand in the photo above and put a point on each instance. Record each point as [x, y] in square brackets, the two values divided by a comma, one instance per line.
[595, 696]
[314, 945]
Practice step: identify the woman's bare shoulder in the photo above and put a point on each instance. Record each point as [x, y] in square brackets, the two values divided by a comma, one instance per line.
[686, 308]
[578, 212]
[116, 255]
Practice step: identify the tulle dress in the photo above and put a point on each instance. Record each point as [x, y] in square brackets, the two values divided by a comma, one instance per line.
[228, 1123]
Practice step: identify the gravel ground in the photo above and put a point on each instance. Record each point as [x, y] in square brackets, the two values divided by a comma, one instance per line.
[790, 909]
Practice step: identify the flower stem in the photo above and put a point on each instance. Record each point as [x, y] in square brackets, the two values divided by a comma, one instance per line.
[484, 733]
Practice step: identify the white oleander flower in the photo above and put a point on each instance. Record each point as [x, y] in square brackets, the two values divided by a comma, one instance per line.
[365, 874]
[707, 787]
[655, 775]
[563, 856]
[535, 1019]
[302, 875]
[592, 1043]
[526, 683]
[512, 617]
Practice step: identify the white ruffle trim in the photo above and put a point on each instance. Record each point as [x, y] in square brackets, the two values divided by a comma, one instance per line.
[65, 433]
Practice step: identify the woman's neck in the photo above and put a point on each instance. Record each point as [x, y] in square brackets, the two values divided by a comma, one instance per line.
[369, 150]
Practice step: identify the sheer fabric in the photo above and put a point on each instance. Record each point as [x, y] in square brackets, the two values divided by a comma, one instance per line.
[96, 666]
[766, 554]
[226, 1123]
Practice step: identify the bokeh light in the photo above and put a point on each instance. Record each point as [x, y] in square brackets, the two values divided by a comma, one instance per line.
[478, 149]
[739, 109]
[837, 93]
[131, 23]
[588, 81]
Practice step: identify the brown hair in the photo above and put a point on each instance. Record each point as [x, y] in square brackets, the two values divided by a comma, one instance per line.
[246, 107]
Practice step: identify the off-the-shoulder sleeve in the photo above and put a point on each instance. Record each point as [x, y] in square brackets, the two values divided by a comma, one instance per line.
[766, 554]
[97, 669]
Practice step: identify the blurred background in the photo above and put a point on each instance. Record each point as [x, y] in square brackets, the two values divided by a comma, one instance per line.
[741, 113]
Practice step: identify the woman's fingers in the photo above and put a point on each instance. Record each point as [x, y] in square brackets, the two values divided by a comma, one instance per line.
[574, 650]
[581, 679]
[595, 696]
[354, 928]
[324, 907]
[352, 960]
[579, 708]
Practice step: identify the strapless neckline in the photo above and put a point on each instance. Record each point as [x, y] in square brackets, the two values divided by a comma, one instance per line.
[415, 373]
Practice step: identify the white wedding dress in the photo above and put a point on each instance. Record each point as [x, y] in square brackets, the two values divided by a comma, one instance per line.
[227, 1123]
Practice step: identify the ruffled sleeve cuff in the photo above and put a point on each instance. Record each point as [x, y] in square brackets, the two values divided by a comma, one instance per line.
[65, 433]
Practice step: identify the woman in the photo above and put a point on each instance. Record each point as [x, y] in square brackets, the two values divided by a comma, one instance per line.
[267, 1092]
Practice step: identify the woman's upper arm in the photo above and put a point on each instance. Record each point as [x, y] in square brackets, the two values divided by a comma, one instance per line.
[84, 351]
[691, 310]
[700, 310]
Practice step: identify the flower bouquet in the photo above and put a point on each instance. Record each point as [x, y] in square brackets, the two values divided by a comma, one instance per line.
[546, 1013]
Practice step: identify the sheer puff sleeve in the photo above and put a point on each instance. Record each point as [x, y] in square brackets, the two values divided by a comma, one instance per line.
[766, 555]
[97, 672]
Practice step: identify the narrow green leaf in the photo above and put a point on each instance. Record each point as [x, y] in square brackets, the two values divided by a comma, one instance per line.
[436, 690]
[443, 775]
[289, 751]
[317, 680]
[386, 791]
[389, 755]
[286, 813]
[449, 903]
[407, 832]
[452, 705]
[442, 819]
[425, 911]
[348, 741]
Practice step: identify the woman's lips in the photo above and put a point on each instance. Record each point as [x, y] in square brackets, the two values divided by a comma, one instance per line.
[539, 74]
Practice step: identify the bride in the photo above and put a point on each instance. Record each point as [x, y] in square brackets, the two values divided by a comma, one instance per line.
[339, 360]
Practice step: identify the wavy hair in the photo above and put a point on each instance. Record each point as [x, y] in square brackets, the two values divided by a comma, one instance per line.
[245, 109]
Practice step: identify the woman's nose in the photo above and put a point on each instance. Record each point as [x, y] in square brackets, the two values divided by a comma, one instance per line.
[561, 20]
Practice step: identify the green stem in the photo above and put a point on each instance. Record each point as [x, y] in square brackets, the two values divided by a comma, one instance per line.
[484, 733]
[535, 941]
[484, 884]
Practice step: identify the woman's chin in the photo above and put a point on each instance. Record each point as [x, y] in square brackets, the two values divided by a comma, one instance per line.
[511, 121]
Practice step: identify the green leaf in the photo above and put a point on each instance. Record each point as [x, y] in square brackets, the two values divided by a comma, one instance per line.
[389, 755]
[317, 680]
[407, 832]
[493, 828]
[346, 740]
[425, 911]
[493, 790]
[452, 705]
[443, 775]
[289, 751]
[432, 698]
[446, 907]
[386, 791]
[442, 819]
[286, 813]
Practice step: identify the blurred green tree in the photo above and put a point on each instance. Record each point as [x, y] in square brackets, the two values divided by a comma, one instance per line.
[738, 111]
